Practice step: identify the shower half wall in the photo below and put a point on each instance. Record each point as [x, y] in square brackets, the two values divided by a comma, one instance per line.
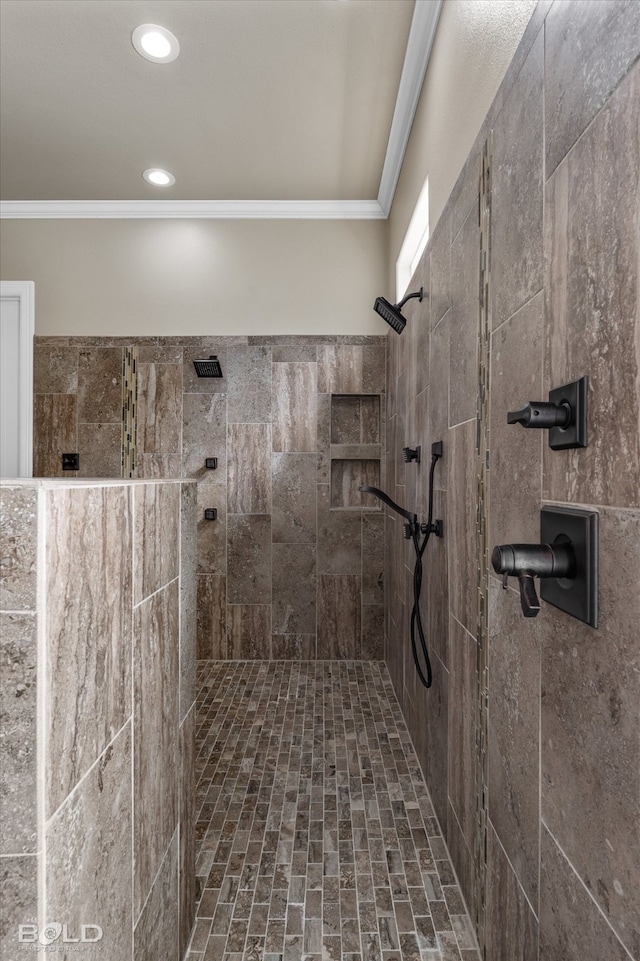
[98, 718]
[292, 566]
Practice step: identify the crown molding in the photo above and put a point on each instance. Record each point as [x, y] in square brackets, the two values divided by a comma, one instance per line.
[192, 209]
[421, 35]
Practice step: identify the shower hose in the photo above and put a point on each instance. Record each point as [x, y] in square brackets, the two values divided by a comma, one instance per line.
[414, 531]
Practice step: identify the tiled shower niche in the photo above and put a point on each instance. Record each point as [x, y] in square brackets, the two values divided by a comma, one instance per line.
[355, 449]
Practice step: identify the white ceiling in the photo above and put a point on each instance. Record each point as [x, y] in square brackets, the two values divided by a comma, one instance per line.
[269, 100]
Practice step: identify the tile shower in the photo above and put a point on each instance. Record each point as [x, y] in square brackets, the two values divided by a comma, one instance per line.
[530, 737]
[528, 740]
[295, 424]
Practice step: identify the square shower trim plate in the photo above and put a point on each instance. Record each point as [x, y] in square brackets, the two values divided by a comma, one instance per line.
[577, 596]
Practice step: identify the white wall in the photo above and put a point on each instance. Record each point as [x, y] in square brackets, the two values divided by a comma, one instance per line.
[155, 277]
[189, 277]
[474, 44]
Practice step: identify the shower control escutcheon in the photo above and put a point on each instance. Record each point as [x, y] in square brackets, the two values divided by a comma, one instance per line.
[526, 561]
[564, 415]
[566, 561]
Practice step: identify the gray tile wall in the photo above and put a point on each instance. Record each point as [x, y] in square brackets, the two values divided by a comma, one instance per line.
[563, 700]
[296, 423]
[112, 772]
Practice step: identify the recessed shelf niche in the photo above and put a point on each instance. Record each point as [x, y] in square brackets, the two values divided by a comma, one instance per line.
[355, 450]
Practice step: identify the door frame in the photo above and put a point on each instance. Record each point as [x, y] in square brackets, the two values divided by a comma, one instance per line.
[23, 291]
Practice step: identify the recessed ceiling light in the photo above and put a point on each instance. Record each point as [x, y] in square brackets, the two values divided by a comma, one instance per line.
[155, 43]
[159, 177]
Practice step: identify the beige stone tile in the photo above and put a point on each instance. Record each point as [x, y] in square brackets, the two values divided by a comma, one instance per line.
[156, 714]
[100, 450]
[514, 739]
[204, 434]
[571, 926]
[512, 927]
[463, 322]
[55, 432]
[100, 385]
[212, 535]
[339, 537]
[294, 391]
[461, 535]
[293, 595]
[159, 408]
[293, 514]
[157, 932]
[339, 616]
[19, 538]
[55, 367]
[340, 369]
[438, 400]
[462, 728]
[249, 631]
[158, 466]
[157, 540]
[589, 731]
[89, 853]
[592, 305]
[516, 453]
[18, 712]
[589, 49]
[249, 559]
[18, 900]
[212, 606]
[187, 829]
[188, 596]
[249, 470]
[249, 385]
[88, 629]
[517, 191]
[439, 252]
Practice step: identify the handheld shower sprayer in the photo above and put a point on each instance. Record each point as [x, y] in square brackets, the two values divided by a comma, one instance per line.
[412, 531]
[392, 313]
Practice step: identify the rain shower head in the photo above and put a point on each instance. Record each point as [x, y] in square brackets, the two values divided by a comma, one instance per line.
[392, 313]
[208, 368]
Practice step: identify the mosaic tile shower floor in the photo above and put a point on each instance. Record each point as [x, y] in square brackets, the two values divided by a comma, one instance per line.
[316, 835]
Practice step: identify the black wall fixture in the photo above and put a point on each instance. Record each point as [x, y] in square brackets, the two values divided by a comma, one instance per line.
[566, 561]
[564, 415]
[411, 454]
[71, 461]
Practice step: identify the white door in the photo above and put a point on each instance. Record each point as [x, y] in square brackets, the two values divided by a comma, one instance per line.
[16, 378]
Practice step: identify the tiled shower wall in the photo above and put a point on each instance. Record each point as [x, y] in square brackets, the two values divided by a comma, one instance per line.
[98, 715]
[530, 735]
[292, 566]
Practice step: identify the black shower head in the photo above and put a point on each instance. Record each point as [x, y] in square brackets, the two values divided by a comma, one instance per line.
[208, 368]
[392, 313]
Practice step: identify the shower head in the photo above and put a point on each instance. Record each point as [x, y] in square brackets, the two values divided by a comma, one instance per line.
[392, 313]
[412, 518]
[208, 368]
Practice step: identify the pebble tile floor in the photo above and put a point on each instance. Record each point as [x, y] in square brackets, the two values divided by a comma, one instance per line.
[316, 835]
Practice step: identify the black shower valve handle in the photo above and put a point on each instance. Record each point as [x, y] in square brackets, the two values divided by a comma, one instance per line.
[526, 561]
[541, 414]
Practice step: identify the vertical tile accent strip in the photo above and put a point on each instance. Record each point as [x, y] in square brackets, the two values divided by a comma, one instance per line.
[482, 539]
[129, 410]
